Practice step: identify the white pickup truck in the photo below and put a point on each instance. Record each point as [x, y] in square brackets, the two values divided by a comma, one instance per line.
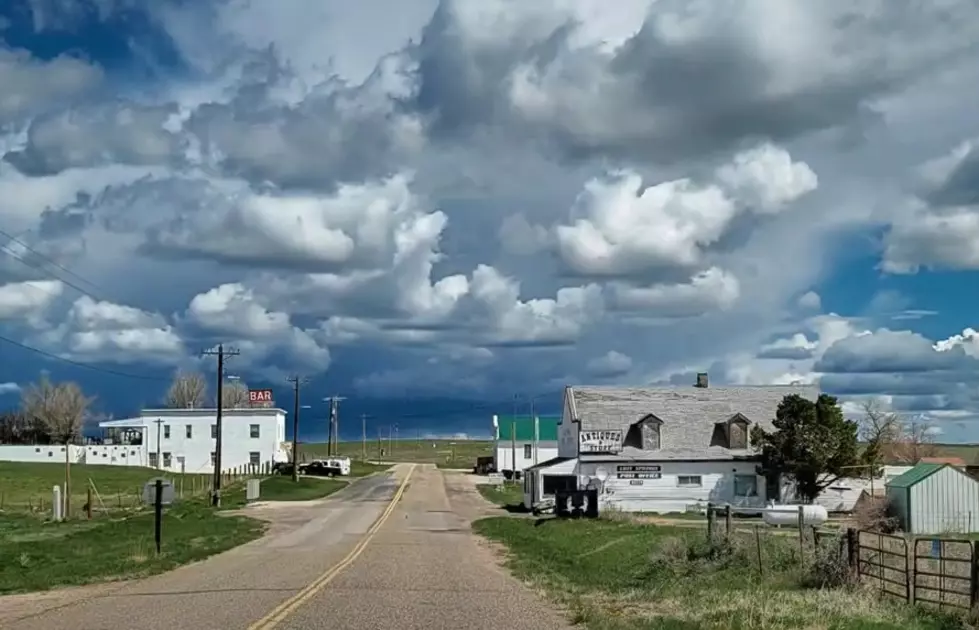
[328, 466]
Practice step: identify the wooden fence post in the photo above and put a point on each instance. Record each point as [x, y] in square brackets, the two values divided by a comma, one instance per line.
[973, 576]
[727, 520]
[710, 522]
[88, 502]
[802, 534]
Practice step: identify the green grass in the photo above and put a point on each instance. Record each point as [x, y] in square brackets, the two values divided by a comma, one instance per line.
[615, 575]
[444, 453]
[26, 484]
[37, 555]
[282, 488]
[506, 494]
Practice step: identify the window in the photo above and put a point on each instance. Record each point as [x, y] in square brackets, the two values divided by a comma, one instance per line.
[644, 434]
[166, 460]
[166, 432]
[214, 431]
[528, 451]
[554, 483]
[689, 481]
[254, 458]
[153, 460]
[745, 486]
[254, 431]
[190, 431]
[214, 458]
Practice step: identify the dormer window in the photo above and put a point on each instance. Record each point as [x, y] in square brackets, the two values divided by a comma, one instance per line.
[731, 433]
[645, 434]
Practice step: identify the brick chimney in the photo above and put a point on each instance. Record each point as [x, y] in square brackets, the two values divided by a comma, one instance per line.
[701, 380]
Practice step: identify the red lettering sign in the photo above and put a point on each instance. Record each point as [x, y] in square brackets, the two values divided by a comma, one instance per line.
[259, 395]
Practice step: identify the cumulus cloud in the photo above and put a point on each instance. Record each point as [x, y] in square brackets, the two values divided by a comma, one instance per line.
[486, 196]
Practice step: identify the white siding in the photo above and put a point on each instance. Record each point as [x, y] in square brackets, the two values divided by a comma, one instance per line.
[945, 501]
[504, 454]
[665, 494]
[567, 431]
[236, 440]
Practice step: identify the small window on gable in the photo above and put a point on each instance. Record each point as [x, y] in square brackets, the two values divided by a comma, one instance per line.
[644, 434]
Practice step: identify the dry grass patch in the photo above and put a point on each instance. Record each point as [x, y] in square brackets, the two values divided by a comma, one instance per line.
[615, 575]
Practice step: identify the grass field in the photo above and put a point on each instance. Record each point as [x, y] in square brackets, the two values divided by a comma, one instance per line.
[24, 485]
[614, 575]
[504, 495]
[36, 554]
[283, 488]
[444, 453]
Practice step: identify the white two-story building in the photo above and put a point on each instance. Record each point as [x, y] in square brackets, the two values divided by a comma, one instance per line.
[184, 440]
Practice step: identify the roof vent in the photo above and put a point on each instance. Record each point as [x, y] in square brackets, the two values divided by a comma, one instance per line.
[701, 380]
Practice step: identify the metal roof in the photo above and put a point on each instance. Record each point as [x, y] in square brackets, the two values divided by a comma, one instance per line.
[919, 473]
[524, 425]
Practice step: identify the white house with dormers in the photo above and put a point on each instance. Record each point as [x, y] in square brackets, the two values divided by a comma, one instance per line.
[663, 449]
[184, 440]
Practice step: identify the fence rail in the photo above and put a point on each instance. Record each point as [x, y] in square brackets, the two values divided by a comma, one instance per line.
[941, 572]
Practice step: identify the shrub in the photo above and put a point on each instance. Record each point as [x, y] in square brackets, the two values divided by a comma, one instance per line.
[872, 514]
[830, 566]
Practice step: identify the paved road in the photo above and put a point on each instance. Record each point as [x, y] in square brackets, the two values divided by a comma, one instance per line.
[325, 564]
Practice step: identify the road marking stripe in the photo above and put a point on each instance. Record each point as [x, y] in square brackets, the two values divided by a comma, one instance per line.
[283, 610]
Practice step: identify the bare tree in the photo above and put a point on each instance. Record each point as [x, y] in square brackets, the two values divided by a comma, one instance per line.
[917, 441]
[234, 395]
[891, 438]
[187, 391]
[61, 408]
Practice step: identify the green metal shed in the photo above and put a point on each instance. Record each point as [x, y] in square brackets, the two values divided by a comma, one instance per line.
[935, 499]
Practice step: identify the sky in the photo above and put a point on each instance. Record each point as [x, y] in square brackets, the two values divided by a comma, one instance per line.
[433, 206]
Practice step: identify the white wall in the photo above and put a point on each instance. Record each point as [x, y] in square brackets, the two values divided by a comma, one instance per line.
[116, 455]
[504, 454]
[236, 440]
[567, 431]
[665, 495]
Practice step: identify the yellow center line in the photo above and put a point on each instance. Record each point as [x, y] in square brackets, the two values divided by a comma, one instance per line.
[283, 610]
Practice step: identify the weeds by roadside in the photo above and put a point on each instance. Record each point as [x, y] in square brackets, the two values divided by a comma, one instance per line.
[614, 575]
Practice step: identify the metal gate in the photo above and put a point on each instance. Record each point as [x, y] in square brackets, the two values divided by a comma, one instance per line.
[945, 572]
[883, 559]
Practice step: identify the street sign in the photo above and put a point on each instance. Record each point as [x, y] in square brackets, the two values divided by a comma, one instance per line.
[149, 492]
[259, 395]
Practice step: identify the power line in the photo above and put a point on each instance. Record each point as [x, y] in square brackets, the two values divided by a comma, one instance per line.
[14, 239]
[88, 366]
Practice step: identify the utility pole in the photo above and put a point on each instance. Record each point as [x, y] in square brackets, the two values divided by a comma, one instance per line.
[297, 382]
[333, 448]
[221, 353]
[363, 435]
[159, 423]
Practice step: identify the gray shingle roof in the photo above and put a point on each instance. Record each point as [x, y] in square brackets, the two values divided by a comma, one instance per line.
[688, 413]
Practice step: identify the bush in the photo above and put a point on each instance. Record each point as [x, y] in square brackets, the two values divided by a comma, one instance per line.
[830, 566]
[872, 514]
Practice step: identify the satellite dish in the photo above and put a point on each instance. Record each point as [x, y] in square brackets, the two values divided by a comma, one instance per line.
[601, 473]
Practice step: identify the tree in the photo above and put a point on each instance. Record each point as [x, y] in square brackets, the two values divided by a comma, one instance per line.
[234, 395]
[187, 391]
[61, 408]
[892, 439]
[916, 441]
[881, 431]
[16, 427]
[812, 443]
